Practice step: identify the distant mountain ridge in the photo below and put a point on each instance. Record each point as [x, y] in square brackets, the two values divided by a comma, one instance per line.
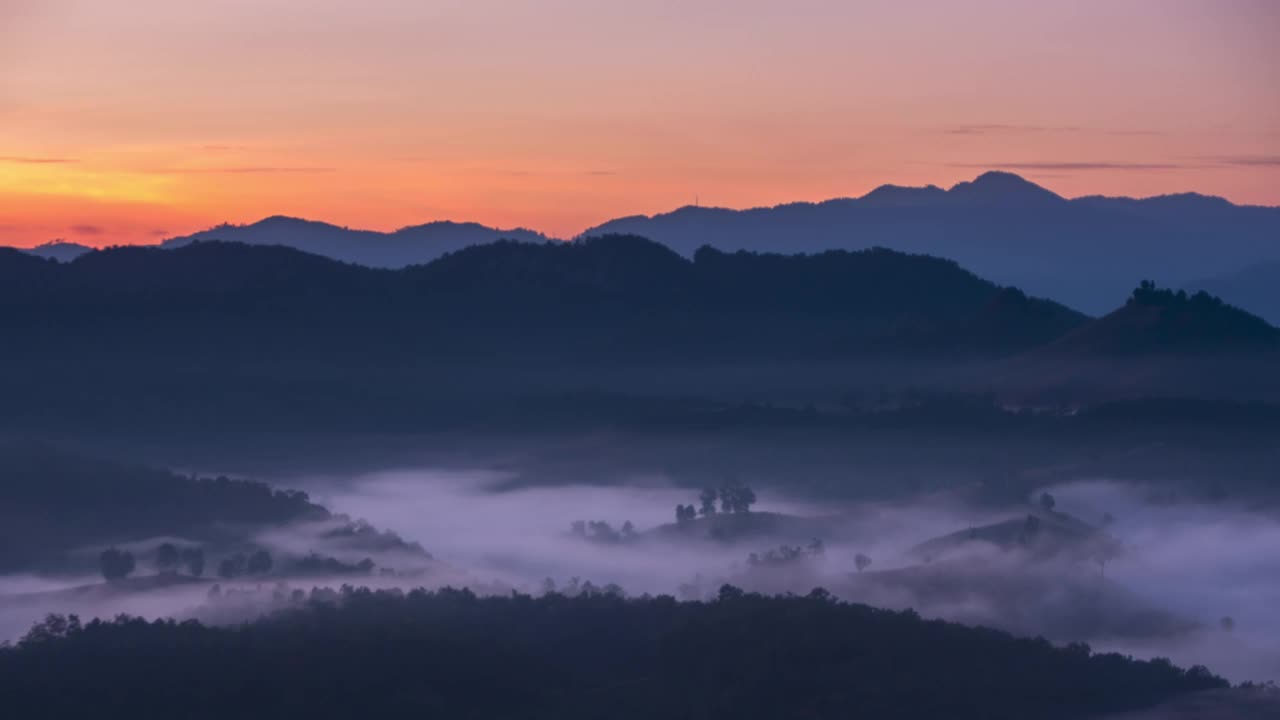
[412, 245]
[59, 250]
[1087, 252]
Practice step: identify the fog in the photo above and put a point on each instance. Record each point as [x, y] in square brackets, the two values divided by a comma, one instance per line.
[1181, 567]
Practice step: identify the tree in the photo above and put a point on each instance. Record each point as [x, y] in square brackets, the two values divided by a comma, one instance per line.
[628, 530]
[685, 513]
[1030, 529]
[1047, 501]
[232, 566]
[259, 563]
[115, 564]
[735, 498]
[862, 562]
[193, 558]
[167, 557]
[707, 500]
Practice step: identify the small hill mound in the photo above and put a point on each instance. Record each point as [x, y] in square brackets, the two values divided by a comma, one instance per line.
[1158, 320]
[1043, 533]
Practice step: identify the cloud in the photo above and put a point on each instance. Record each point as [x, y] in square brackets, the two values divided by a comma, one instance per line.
[997, 128]
[158, 232]
[1249, 160]
[1059, 165]
[29, 160]
[88, 229]
[245, 170]
[1009, 129]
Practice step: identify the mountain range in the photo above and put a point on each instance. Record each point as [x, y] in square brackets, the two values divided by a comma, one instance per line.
[407, 246]
[228, 330]
[1086, 252]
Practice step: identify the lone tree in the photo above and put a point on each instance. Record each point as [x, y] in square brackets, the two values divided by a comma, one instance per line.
[1047, 502]
[116, 564]
[167, 558]
[232, 566]
[259, 563]
[685, 513]
[193, 558]
[862, 562]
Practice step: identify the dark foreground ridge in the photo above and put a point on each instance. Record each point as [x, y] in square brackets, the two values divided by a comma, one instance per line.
[361, 653]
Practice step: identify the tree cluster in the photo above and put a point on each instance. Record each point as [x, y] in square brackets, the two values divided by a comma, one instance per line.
[734, 498]
[169, 558]
[602, 532]
[787, 555]
[258, 562]
[450, 653]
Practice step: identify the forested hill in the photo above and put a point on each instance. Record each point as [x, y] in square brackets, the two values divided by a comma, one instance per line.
[612, 294]
[452, 654]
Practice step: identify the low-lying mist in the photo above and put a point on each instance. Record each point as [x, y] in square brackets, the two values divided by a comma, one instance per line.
[1190, 581]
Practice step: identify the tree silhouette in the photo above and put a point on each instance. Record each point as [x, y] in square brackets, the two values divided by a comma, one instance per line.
[193, 558]
[861, 561]
[707, 502]
[167, 557]
[116, 564]
[1047, 501]
[233, 566]
[259, 563]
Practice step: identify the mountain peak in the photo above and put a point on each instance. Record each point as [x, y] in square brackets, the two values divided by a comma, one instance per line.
[898, 195]
[999, 187]
[59, 250]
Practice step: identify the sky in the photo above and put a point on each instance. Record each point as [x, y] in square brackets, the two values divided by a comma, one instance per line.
[128, 122]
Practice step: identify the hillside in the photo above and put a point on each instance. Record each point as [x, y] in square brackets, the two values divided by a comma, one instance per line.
[1041, 533]
[1159, 343]
[1086, 252]
[453, 654]
[610, 294]
[58, 509]
[215, 330]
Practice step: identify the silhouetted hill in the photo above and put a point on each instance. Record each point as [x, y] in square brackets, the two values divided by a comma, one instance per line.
[636, 290]
[1087, 252]
[216, 330]
[1158, 342]
[1161, 321]
[407, 246]
[1255, 288]
[52, 503]
[212, 326]
[452, 654]
[60, 251]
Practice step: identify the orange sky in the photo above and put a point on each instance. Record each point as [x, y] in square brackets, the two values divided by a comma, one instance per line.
[124, 122]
